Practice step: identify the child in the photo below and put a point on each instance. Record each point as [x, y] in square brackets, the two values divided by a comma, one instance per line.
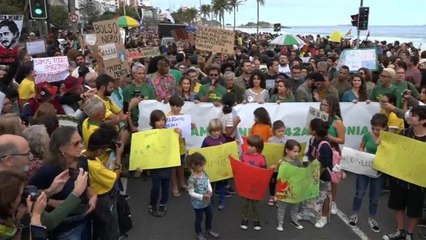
[216, 137]
[255, 158]
[159, 177]
[262, 124]
[291, 152]
[278, 129]
[176, 104]
[200, 190]
[229, 117]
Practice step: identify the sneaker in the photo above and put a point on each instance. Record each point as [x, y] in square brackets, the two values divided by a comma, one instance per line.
[353, 220]
[398, 235]
[373, 225]
[244, 224]
[280, 228]
[271, 201]
[162, 209]
[333, 209]
[200, 236]
[230, 190]
[212, 234]
[256, 226]
[221, 205]
[153, 211]
[321, 222]
[409, 236]
[296, 224]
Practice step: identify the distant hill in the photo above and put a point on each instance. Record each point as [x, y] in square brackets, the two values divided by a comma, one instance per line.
[253, 24]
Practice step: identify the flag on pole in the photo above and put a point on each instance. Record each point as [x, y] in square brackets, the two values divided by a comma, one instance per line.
[348, 33]
[368, 34]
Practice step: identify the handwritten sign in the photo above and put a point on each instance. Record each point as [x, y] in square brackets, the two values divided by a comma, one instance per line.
[107, 32]
[250, 182]
[315, 113]
[215, 39]
[357, 162]
[153, 149]
[217, 165]
[109, 51]
[51, 69]
[180, 34]
[36, 47]
[183, 122]
[116, 68]
[136, 53]
[90, 39]
[358, 58]
[392, 152]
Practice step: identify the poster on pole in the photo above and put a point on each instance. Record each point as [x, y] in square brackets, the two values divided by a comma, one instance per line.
[358, 58]
[51, 69]
[10, 32]
[36, 47]
[215, 40]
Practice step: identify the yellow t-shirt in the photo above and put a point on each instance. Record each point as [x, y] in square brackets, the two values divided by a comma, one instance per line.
[26, 89]
[88, 128]
[395, 123]
[101, 179]
[197, 87]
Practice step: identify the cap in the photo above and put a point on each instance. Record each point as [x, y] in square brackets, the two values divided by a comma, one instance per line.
[71, 83]
[45, 89]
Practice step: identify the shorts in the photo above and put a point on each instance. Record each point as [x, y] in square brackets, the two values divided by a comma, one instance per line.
[411, 200]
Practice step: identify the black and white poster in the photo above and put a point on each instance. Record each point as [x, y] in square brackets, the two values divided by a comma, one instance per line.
[10, 32]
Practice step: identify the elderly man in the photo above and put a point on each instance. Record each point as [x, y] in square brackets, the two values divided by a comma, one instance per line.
[385, 86]
[401, 84]
[14, 153]
[231, 86]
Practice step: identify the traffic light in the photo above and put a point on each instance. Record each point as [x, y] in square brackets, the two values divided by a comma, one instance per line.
[354, 20]
[38, 9]
[363, 18]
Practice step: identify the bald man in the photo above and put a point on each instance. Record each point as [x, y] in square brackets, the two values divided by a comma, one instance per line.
[14, 153]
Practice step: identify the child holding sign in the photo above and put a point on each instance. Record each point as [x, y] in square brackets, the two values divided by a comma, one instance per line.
[200, 190]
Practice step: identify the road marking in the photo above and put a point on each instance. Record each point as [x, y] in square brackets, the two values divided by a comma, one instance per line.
[355, 229]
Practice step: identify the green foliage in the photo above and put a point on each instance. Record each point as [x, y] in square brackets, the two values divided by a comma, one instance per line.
[58, 16]
[185, 15]
[89, 12]
[130, 11]
[12, 6]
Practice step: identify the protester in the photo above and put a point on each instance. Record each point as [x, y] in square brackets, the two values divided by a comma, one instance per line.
[262, 124]
[256, 93]
[358, 93]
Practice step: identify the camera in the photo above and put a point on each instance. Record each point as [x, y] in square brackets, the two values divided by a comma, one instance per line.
[73, 172]
[31, 191]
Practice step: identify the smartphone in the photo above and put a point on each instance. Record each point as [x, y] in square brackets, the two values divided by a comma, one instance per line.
[38, 232]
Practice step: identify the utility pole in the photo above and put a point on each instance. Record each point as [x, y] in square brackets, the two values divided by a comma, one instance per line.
[357, 26]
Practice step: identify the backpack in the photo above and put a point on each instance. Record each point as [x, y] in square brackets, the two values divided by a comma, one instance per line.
[336, 173]
[124, 215]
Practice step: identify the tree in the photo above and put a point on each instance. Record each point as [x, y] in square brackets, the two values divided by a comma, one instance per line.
[191, 15]
[219, 8]
[185, 15]
[130, 11]
[205, 10]
[259, 2]
[107, 16]
[89, 12]
[12, 6]
[58, 16]
[234, 5]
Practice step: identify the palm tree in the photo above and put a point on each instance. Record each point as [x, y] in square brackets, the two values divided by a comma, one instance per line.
[191, 14]
[219, 8]
[234, 5]
[205, 10]
[259, 2]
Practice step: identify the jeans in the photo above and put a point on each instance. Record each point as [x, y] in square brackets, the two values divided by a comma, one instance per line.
[253, 204]
[159, 180]
[220, 187]
[199, 214]
[80, 231]
[376, 186]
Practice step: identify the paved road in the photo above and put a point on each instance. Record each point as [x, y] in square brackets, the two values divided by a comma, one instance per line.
[178, 224]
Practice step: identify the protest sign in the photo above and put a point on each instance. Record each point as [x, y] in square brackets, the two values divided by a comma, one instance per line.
[136, 53]
[156, 148]
[90, 39]
[215, 40]
[11, 27]
[358, 58]
[357, 118]
[109, 51]
[51, 69]
[273, 152]
[180, 34]
[116, 68]
[36, 47]
[401, 157]
[296, 184]
[315, 113]
[183, 122]
[217, 165]
[107, 32]
[357, 162]
[250, 182]
[2, 97]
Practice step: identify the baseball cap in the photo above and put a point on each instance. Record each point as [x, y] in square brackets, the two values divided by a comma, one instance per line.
[72, 83]
[45, 89]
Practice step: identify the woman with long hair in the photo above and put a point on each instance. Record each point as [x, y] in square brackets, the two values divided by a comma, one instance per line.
[185, 90]
[284, 93]
[257, 92]
[26, 79]
[358, 93]
[367, 76]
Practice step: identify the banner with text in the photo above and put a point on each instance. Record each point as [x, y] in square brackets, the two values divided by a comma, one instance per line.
[51, 69]
[315, 113]
[136, 53]
[401, 157]
[358, 162]
[217, 165]
[215, 40]
[109, 51]
[250, 182]
[183, 122]
[356, 118]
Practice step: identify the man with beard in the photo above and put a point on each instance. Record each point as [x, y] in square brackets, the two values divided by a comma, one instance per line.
[243, 79]
[305, 92]
[80, 61]
[9, 34]
[105, 86]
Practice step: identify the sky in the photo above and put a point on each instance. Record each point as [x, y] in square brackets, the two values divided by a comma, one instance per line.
[318, 12]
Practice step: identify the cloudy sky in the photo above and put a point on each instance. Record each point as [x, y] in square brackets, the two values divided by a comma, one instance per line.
[318, 12]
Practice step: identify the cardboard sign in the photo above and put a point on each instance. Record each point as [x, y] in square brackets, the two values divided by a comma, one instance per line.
[51, 69]
[215, 40]
[183, 122]
[109, 51]
[107, 32]
[180, 34]
[315, 113]
[10, 32]
[136, 53]
[90, 39]
[36, 47]
[116, 68]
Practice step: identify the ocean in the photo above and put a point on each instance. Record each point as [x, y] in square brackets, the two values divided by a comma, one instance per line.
[415, 34]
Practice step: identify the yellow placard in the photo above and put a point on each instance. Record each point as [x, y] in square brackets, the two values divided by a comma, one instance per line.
[217, 165]
[152, 149]
[401, 157]
[273, 152]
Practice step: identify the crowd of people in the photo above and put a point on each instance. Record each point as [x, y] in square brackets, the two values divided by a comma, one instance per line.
[63, 182]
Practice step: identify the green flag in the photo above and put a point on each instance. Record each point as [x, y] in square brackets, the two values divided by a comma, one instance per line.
[296, 184]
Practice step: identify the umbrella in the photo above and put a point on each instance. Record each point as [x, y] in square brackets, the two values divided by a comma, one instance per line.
[336, 36]
[287, 39]
[126, 21]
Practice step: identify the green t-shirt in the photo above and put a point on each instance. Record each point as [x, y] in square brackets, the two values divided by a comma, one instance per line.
[370, 143]
[332, 130]
[146, 90]
[215, 96]
[379, 90]
[177, 74]
[400, 87]
[275, 97]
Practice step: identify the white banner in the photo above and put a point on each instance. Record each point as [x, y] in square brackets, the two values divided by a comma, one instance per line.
[356, 118]
[357, 162]
[36, 47]
[51, 69]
